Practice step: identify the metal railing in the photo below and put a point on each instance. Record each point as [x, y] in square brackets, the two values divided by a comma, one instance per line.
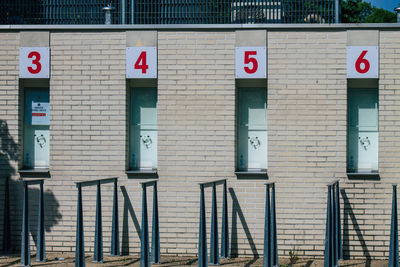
[155, 233]
[333, 237]
[98, 236]
[202, 249]
[169, 11]
[394, 232]
[25, 242]
[270, 234]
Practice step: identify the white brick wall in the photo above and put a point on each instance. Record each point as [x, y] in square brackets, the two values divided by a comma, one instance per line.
[307, 107]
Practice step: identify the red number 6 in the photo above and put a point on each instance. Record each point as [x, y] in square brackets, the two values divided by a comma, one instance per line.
[35, 62]
[362, 60]
[248, 60]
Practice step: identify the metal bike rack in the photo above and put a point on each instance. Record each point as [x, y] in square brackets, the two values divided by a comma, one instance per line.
[270, 235]
[98, 239]
[333, 238]
[202, 252]
[155, 236]
[25, 240]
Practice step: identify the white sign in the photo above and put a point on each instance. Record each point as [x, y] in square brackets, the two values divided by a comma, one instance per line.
[40, 113]
[251, 62]
[362, 61]
[34, 62]
[141, 62]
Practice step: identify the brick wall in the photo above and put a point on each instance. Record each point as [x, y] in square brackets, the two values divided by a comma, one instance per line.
[307, 103]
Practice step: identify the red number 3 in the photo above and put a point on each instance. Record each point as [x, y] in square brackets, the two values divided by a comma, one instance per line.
[35, 62]
[142, 59]
[248, 60]
[361, 60]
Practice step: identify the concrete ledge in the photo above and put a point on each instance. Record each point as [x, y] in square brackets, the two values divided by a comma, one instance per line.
[226, 27]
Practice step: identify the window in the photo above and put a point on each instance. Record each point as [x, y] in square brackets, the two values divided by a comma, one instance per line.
[36, 128]
[362, 153]
[143, 129]
[252, 129]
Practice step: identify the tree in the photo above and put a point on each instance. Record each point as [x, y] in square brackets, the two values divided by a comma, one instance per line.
[380, 15]
[357, 11]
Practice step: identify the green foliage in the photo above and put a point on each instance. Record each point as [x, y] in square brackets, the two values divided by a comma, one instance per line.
[380, 15]
[293, 257]
[357, 11]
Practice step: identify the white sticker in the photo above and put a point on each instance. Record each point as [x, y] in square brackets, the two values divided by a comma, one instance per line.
[362, 62]
[141, 62]
[251, 62]
[40, 113]
[34, 62]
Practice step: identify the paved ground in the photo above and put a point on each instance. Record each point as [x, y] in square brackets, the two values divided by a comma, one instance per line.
[57, 259]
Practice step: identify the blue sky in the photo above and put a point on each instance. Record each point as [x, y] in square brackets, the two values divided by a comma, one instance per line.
[386, 4]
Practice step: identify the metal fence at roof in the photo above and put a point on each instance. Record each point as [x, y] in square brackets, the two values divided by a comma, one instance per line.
[169, 11]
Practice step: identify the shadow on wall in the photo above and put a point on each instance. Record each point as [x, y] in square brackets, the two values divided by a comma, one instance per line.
[238, 213]
[348, 213]
[128, 209]
[9, 152]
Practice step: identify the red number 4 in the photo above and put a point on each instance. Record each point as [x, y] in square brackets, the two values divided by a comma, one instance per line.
[248, 60]
[141, 63]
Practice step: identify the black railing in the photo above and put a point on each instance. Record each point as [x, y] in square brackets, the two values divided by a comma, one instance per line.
[169, 11]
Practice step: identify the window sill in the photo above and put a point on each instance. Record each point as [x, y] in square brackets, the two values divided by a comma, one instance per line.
[142, 174]
[34, 173]
[363, 175]
[262, 174]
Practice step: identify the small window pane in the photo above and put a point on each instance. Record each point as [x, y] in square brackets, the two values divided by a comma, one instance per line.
[36, 129]
[143, 128]
[363, 134]
[252, 129]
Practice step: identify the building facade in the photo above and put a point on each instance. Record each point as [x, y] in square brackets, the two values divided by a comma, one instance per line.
[320, 108]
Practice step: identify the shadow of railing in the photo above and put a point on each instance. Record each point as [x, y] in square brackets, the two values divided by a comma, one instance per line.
[238, 213]
[348, 213]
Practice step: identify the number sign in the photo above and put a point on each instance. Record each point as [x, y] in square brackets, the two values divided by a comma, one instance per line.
[34, 62]
[251, 62]
[362, 61]
[141, 62]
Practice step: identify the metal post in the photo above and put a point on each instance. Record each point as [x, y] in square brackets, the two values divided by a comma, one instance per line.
[115, 225]
[144, 255]
[339, 247]
[337, 11]
[41, 251]
[334, 220]
[80, 245]
[274, 241]
[214, 255]
[98, 234]
[203, 261]
[6, 224]
[25, 244]
[155, 234]
[267, 231]
[225, 227]
[328, 254]
[394, 232]
[123, 11]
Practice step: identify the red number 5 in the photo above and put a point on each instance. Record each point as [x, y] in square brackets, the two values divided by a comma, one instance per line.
[35, 62]
[361, 60]
[248, 60]
[142, 59]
